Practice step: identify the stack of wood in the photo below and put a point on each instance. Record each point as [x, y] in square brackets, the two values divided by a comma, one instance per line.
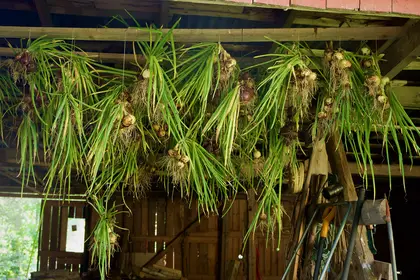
[55, 275]
[160, 272]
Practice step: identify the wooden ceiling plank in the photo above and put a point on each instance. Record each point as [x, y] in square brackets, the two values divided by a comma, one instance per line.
[409, 96]
[402, 52]
[382, 170]
[43, 12]
[207, 35]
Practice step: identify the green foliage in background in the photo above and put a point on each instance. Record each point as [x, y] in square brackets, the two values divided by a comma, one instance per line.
[19, 222]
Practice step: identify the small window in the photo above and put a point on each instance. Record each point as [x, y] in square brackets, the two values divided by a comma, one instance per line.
[75, 241]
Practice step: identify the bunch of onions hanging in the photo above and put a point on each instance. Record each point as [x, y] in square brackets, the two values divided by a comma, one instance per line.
[376, 89]
[22, 64]
[227, 66]
[338, 67]
[252, 168]
[177, 166]
[302, 90]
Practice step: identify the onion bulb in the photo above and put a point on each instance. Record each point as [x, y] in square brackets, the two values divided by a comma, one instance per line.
[263, 216]
[156, 127]
[365, 51]
[338, 56]
[384, 81]
[146, 74]
[128, 120]
[161, 133]
[312, 76]
[327, 109]
[344, 63]
[185, 159]
[306, 72]
[382, 99]
[367, 63]
[112, 238]
[180, 164]
[374, 80]
[328, 55]
[171, 153]
[257, 154]
[322, 115]
[249, 117]
[329, 101]
[246, 95]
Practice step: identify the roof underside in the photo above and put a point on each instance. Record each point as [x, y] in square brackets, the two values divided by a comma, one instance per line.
[212, 15]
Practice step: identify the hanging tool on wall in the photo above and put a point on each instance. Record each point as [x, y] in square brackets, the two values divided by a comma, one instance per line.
[334, 244]
[391, 243]
[328, 215]
[358, 212]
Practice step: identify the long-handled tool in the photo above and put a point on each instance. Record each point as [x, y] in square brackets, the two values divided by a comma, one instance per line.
[327, 217]
[357, 214]
[301, 241]
[391, 243]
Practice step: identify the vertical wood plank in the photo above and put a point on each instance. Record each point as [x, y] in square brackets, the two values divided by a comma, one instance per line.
[178, 225]
[343, 4]
[170, 207]
[152, 224]
[319, 4]
[46, 227]
[283, 3]
[406, 7]
[376, 5]
[212, 248]
[137, 212]
[63, 227]
[79, 211]
[203, 261]
[252, 260]
[55, 228]
[144, 223]
[193, 258]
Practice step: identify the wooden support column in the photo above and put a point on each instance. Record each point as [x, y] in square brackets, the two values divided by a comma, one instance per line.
[223, 222]
[402, 52]
[252, 257]
[362, 259]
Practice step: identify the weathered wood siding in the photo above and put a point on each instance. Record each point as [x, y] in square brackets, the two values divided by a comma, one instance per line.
[410, 7]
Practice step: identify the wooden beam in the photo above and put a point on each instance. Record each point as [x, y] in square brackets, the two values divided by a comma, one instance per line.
[389, 42]
[43, 12]
[402, 52]
[340, 166]
[409, 96]
[382, 170]
[362, 258]
[206, 35]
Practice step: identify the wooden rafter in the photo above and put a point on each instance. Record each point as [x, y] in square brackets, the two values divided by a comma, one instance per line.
[206, 35]
[402, 52]
[43, 12]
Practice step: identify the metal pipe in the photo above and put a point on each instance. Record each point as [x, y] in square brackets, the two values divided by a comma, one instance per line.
[335, 243]
[320, 251]
[289, 265]
[357, 214]
[391, 243]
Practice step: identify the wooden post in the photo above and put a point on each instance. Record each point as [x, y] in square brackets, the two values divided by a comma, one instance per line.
[362, 260]
[252, 257]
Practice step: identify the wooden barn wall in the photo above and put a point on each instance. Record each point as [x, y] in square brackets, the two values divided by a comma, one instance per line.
[52, 253]
[374, 6]
[155, 221]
